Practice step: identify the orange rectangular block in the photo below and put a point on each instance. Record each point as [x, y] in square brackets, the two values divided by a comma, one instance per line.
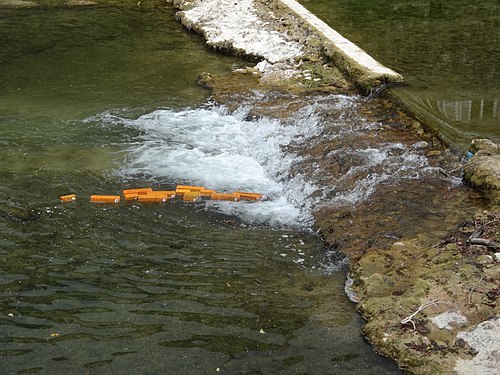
[131, 196]
[138, 191]
[68, 198]
[189, 188]
[206, 193]
[181, 192]
[167, 193]
[191, 197]
[249, 196]
[154, 197]
[105, 198]
[225, 197]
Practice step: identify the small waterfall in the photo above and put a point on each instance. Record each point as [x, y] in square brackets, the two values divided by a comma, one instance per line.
[277, 157]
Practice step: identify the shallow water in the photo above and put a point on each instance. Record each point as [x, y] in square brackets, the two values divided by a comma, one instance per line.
[95, 100]
[447, 51]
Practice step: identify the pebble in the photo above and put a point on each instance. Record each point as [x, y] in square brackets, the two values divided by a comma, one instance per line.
[420, 145]
[433, 153]
[484, 259]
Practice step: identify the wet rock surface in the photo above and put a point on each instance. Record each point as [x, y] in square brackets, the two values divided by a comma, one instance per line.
[483, 169]
[419, 299]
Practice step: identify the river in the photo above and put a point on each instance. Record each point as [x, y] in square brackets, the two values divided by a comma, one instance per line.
[447, 51]
[94, 100]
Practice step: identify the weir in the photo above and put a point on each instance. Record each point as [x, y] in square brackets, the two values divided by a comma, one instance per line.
[354, 61]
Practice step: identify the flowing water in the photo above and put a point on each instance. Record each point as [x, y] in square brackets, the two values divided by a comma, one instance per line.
[94, 100]
[447, 51]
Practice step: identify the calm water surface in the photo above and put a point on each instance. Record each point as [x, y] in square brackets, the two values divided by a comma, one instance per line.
[95, 100]
[447, 51]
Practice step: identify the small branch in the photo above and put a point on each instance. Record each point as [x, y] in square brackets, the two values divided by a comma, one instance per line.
[473, 289]
[484, 242]
[409, 319]
[477, 233]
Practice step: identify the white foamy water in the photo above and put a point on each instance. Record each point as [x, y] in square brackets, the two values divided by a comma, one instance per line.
[225, 152]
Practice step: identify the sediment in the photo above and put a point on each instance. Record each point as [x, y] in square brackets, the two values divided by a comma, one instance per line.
[429, 294]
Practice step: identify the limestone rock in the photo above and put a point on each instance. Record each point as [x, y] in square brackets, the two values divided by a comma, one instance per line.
[484, 145]
[483, 172]
[447, 319]
[485, 340]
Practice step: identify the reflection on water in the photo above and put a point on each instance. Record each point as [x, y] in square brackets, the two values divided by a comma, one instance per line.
[464, 110]
[447, 50]
[458, 120]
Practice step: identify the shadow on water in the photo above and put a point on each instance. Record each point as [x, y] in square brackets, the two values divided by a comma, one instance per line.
[135, 288]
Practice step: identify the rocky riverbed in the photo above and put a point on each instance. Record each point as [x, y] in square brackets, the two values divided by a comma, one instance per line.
[425, 261]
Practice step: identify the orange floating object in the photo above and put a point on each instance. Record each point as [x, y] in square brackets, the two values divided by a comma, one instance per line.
[154, 197]
[249, 196]
[168, 193]
[181, 192]
[206, 193]
[191, 197]
[189, 188]
[131, 196]
[105, 198]
[68, 198]
[138, 191]
[225, 197]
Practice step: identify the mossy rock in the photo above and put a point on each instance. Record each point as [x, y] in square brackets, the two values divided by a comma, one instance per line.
[483, 172]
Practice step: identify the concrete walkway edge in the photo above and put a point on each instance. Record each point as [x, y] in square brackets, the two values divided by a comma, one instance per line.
[354, 57]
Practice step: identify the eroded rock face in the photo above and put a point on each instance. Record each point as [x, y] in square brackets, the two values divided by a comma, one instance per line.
[483, 169]
[448, 296]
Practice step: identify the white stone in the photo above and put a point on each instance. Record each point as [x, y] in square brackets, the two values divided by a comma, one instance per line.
[485, 340]
[444, 320]
[235, 24]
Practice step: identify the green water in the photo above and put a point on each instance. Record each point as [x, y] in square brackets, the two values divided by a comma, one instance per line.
[447, 51]
[150, 289]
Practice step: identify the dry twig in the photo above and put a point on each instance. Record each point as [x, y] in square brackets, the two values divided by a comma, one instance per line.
[409, 318]
[484, 242]
[473, 289]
